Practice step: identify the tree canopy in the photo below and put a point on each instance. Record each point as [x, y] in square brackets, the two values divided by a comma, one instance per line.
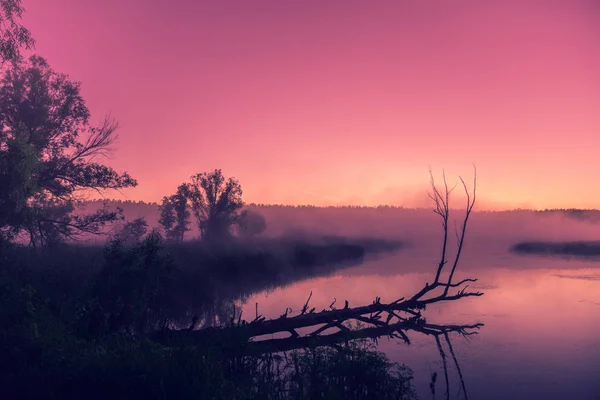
[216, 203]
[13, 35]
[133, 231]
[175, 214]
[49, 155]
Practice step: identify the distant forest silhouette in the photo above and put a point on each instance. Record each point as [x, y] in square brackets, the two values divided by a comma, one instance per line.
[573, 211]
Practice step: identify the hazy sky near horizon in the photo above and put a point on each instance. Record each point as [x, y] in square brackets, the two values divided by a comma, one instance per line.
[341, 101]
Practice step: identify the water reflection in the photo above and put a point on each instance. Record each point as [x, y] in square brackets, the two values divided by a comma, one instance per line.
[540, 336]
[201, 298]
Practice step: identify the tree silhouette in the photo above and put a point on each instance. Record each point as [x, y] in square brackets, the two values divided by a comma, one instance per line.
[167, 216]
[251, 223]
[133, 231]
[175, 214]
[13, 36]
[216, 203]
[49, 155]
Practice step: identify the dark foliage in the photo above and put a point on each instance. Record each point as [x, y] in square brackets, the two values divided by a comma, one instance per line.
[48, 156]
[175, 214]
[133, 231]
[65, 338]
[128, 294]
[216, 203]
[13, 35]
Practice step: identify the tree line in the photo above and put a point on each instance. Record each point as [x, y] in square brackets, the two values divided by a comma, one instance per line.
[51, 160]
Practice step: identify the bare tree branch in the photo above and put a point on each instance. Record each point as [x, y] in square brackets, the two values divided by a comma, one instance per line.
[469, 209]
[441, 207]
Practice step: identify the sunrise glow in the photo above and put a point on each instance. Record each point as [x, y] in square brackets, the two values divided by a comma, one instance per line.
[341, 102]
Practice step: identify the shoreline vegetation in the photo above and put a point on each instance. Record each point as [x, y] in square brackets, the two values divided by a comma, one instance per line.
[75, 320]
[583, 249]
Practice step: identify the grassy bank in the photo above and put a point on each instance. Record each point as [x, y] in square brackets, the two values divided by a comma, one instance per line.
[75, 323]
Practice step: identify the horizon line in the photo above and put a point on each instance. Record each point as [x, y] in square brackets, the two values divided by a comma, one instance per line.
[380, 206]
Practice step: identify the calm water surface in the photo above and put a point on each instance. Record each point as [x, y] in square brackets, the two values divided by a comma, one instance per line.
[541, 315]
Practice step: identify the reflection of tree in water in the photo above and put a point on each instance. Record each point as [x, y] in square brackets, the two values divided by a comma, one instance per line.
[217, 313]
[210, 288]
[445, 365]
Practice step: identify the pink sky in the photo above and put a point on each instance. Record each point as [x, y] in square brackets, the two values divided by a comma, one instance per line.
[329, 102]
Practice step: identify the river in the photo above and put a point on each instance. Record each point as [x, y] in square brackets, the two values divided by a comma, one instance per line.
[541, 316]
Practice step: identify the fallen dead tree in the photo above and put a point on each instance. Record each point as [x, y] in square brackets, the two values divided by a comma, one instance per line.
[398, 330]
[230, 341]
[384, 319]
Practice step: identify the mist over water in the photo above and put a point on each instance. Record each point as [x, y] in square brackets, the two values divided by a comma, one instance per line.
[417, 226]
[541, 314]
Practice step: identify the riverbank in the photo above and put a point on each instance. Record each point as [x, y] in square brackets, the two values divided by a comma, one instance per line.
[75, 323]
